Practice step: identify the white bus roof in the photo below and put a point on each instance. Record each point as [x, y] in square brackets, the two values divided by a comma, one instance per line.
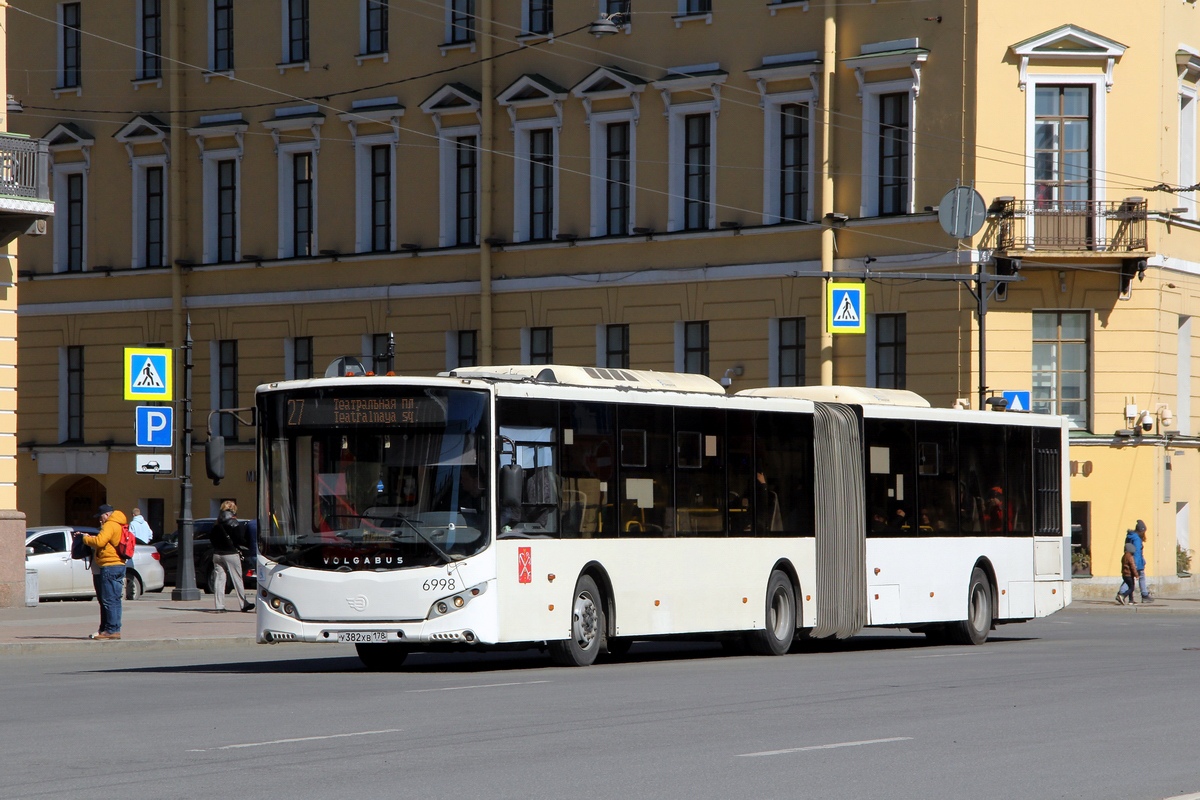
[853, 395]
[599, 377]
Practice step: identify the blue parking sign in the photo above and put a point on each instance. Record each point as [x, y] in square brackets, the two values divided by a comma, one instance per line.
[154, 426]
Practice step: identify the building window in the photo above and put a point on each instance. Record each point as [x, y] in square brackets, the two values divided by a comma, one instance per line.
[467, 346]
[541, 345]
[302, 357]
[375, 26]
[73, 416]
[227, 388]
[150, 40]
[466, 189]
[539, 16]
[891, 350]
[790, 351]
[1187, 149]
[70, 65]
[381, 197]
[617, 177]
[615, 6]
[1061, 369]
[541, 184]
[793, 162]
[689, 7]
[616, 346]
[75, 223]
[460, 21]
[296, 32]
[1062, 145]
[380, 344]
[302, 204]
[154, 221]
[227, 210]
[695, 347]
[697, 167]
[893, 153]
[222, 36]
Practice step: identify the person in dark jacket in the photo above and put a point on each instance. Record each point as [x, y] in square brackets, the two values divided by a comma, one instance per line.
[226, 538]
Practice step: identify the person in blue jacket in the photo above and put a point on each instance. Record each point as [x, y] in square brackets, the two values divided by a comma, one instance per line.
[1137, 538]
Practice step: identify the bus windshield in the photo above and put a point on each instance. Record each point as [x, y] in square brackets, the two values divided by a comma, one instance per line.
[374, 478]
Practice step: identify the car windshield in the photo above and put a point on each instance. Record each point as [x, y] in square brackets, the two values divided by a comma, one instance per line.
[375, 480]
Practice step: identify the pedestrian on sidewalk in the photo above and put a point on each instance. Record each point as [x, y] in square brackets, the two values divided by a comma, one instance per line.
[1129, 576]
[228, 537]
[1137, 537]
[140, 528]
[108, 571]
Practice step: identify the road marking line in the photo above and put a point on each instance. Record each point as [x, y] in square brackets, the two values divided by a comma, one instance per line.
[824, 747]
[298, 739]
[946, 655]
[477, 686]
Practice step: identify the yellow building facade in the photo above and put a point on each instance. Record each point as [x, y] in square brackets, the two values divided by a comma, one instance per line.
[492, 183]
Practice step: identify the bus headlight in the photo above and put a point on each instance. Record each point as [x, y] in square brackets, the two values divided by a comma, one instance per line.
[454, 602]
[277, 603]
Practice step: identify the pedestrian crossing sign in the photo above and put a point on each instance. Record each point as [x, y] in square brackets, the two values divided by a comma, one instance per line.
[846, 308]
[148, 373]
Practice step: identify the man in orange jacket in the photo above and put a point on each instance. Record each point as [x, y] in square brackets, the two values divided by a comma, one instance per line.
[108, 571]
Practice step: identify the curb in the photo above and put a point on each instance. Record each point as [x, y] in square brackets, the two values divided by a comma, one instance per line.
[80, 645]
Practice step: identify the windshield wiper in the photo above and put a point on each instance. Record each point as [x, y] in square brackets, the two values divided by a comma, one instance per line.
[446, 557]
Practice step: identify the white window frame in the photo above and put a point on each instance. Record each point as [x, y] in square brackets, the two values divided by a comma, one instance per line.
[772, 163]
[1188, 100]
[526, 33]
[676, 133]
[448, 181]
[286, 225]
[61, 71]
[215, 387]
[871, 93]
[362, 189]
[598, 122]
[773, 338]
[1183, 375]
[212, 40]
[448, 38]
[522, 225]
[64, 394]
[139, 37]
[285, 42]
[62, 229]
[364, 34]
[1099, 85]
[139, 167]
[211, 192]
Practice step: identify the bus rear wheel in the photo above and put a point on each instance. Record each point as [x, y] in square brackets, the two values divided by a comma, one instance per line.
[974, 629]
[587, 628]
[381, 657]
[779, 624]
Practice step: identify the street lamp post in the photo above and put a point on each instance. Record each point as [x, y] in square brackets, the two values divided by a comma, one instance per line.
[185, 574]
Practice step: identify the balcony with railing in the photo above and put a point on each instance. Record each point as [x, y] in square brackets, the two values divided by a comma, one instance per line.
[25, 201]
[1070, 226]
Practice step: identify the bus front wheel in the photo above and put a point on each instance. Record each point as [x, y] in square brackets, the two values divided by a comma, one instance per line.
[587, 628]
[779, 624]
[974, 629]
[381, 657]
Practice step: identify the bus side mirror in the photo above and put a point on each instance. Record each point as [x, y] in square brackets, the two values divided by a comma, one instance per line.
[512, 486]
[214, 459]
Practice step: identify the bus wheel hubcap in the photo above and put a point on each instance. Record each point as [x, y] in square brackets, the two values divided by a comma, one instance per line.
[585, 621]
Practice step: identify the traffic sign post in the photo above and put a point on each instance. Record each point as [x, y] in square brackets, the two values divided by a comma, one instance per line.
[847, 308]
[1017, 401]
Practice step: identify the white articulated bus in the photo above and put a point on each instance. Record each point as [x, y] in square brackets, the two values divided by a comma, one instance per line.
[582, 508]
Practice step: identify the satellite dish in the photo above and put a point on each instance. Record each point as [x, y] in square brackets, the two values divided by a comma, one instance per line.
[961, 212]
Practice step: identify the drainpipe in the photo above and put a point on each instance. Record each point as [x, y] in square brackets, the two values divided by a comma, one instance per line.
[829, 62]
[175, 234]
[485, 183]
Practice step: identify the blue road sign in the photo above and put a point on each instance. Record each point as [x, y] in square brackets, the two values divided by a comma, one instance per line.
[155, 426]
[1017, 401]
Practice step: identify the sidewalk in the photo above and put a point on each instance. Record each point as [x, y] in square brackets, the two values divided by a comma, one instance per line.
[155, 621]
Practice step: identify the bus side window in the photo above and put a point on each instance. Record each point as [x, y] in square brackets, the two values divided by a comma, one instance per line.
[532, 427]
[891, 477]
[937, 478]
[647, 485]
[701, 495]
[587, 432]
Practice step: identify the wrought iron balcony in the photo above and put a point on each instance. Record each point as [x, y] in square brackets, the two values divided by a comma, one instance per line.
[1070, 225]
[25, 203]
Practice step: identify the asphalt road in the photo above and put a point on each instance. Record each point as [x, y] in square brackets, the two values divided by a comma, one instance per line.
[1085, 704]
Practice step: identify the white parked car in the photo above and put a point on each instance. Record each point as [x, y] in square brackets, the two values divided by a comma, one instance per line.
[48, 550]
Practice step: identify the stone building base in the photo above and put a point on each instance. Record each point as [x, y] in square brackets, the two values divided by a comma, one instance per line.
[12, 558]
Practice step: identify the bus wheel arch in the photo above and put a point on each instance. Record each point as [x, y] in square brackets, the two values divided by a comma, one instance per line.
[588, 626]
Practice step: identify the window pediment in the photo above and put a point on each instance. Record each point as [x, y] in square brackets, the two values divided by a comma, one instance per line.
[532, 91]
[793, 67]
[1188, 63]
[1069, 43]
[143, 130]
[67, 137]
[451, 98]
[695, 79]
[610, 83]
[896, 54]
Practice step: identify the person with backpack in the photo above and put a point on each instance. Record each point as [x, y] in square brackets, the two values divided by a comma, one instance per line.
[227, 538]
[108, 570]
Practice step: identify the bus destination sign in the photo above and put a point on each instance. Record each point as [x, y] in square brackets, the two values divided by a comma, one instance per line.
[363, 411]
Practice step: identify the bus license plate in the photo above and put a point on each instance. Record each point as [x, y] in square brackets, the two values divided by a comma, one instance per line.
[372, 637]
